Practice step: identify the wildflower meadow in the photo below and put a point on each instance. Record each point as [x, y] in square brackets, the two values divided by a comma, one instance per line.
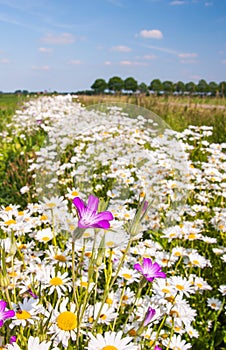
[112, 230]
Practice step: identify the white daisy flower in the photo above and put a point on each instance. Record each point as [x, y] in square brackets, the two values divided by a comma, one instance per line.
[25, 312]
[63, 323]
[55, 281]
[110, 341]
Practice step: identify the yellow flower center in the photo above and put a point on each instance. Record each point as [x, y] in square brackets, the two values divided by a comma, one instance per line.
[195, 262]
[84, 284]
[8, 208]
[46, 239]
[213, 305]
[51, 205]
[109, 301]
[109, 347]
[44, 217]
[20, 213]
[199, 285]
[10, 222]
[125, 297]
[165, 290]
[180, 287]
[67, 321]
[110, 244]
[75, 193]
[56, 281]
[103, 317]
[60, 258]
[192, 236]
[126, 276]
[23, 315]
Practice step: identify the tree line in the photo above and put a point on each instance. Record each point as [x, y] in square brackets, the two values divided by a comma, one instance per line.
[130, 85]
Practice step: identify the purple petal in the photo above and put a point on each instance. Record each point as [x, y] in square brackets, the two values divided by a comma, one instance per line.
[1, 323]
[80, 205]
[93, 203]
[138, 267]
[3, 304]
[149, 315]
[104, 215]
[8, 314]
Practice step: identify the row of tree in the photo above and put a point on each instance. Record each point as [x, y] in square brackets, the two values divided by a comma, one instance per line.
[130, 85]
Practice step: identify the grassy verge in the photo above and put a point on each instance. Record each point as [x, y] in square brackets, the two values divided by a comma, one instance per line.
[178, 112]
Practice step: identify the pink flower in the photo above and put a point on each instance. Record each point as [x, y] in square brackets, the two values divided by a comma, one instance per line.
[149, 270]
[88, 215]
[5, 314]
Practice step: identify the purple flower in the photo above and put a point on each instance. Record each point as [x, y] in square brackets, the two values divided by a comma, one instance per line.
[149, 270]
[157, 347]
[149, 316]
[12, 339]
[88, 215]
[5, 314]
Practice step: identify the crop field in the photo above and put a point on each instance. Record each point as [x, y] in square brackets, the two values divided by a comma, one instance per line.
[112, 223]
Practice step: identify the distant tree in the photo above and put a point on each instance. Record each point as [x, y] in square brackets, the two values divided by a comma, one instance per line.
[179, 87]
[213, 88]
[202, 86]
[143, 88]
[99, 86]
[222, 88]
[115, 84]
[156, 86]
[168, 86]
[190, 87]
[130, 84]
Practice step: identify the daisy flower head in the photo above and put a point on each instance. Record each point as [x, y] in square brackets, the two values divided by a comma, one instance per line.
[214, 303]
[63, 320]
[26, 312]
[149, 270]
[33, 343]
[110, 341]
[5, 314]
[55, 282]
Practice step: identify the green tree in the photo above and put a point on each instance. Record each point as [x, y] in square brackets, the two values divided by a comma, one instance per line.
[156, 86]
[99, 86]
[143, 88]
[168, 86]
[213, 88]
[115, 84]
[202, 86]
[222, 88]
[190, 87]
[130, 84]
[179, 87]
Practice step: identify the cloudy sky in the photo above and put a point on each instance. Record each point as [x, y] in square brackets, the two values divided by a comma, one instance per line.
[65, 45]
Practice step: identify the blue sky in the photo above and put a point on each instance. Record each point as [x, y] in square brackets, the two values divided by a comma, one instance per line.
[66, 45]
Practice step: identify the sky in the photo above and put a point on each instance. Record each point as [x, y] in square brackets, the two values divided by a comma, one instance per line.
[65, 45]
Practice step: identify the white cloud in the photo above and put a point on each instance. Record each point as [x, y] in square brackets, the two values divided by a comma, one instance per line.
[163, 49]
[151, 34]
[208, 4]
[177, 2]
[223, 61]
[40, 67]
[132, 63]
[107, 63]
[149, 57]
[75, 62]
[187, 55]
[4, 60]
[121, 48]
[45, 49]
[63, 38]
[188, 61]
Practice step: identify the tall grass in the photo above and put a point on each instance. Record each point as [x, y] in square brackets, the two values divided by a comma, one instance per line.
[178, 112]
